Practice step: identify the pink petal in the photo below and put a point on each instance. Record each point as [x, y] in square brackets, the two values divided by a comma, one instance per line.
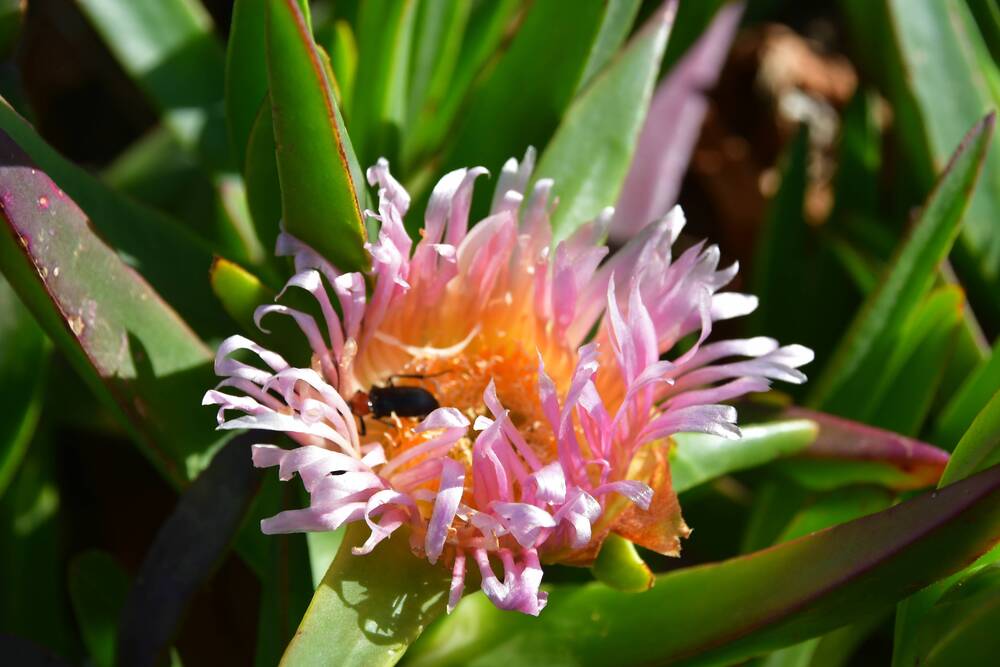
[525, 522]
[457, 580]
[449, 496]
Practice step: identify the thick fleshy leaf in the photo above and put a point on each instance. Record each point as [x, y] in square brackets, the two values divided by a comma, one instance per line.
[969, 400]
[147, 241]
[261, 177]
[488, 24]
[240, 293]
[97, 587]
[24, 356]
[830, 509]
[757, 603]
[157, 171]
[934, 100]
[620, 566]
[987, 15]
[911, 376]
[437, 41]
[848, 452]
[368, 609]
[698, 458]
[532, 104]
[857, 363]
[615, 26]
[836, 507]
[911, 611]
[379, 106]
[979, 448]
[283, 566]
[169, 49]
[960, 629]
[784, 236]
[186, 549]
[590, 153]
[131, 347]
[673, 125]
[315, 161]
[246, 73]
[342, 47]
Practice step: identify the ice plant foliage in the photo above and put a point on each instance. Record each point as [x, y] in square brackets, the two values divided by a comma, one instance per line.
[561, 372]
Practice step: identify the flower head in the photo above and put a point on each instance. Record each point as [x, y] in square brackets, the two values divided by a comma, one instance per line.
[555, 368]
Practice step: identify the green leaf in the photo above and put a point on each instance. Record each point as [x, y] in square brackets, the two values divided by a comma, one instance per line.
[130, 346]
[960, 629]
[951, 90]
[319, 201]
[487, 27]
[369, 608]
[187, 547]
[857, 363]
[913, 609]
[24, 360]
[838, 506]
[934, 100]
[620, 566]
[979, 448]
[987, 15]
[532, 103]
[438, 31]
[911, 376]
[281, 562]
[698, 458]
[969, 400]
[262, 179]
[241, 292]
[784, 236]
[97, 587]
[169, 49]
[618, 19]
[724, 613]
[323, 548]
[246, 73]
[149, 242]
[589, 155]
[848, 452]
[343, 49]
[379, 111]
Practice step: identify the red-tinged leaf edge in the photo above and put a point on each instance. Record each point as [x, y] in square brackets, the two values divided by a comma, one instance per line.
[845, 439]
[136, 360]
[724, 613]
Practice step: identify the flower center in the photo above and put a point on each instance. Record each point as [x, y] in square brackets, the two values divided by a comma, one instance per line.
[459, 381]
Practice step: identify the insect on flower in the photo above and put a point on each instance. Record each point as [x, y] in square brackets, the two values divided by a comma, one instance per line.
[382, 402]
[545, 383]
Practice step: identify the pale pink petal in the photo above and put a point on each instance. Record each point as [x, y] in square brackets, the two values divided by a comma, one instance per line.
[639, 493]
[312, 519]
[457, 580]
[449, 496]
[525, 522]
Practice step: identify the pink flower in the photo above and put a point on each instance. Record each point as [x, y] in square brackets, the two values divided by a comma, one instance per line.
[554, 367]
